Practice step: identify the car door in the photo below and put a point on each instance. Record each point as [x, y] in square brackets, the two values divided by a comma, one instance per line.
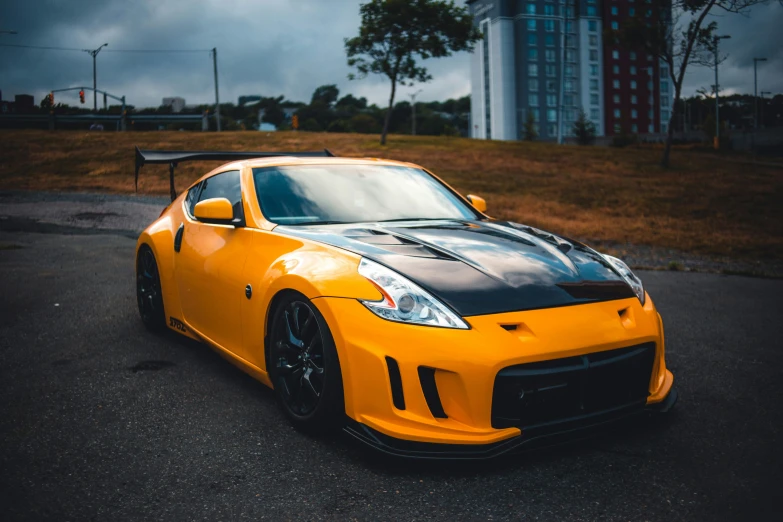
[208, 266]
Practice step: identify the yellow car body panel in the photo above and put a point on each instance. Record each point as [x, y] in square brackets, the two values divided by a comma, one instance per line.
[204, 289]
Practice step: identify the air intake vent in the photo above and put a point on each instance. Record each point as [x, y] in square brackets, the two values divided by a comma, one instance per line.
[430, 389]
[395, 379]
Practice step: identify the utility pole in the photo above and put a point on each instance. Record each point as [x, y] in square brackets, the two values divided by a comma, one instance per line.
[756, 92]
[413, 111]
[94, 54]
[715, 41]
[217, 97]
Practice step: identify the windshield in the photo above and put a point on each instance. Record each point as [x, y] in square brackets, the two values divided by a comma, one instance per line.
[318, 194]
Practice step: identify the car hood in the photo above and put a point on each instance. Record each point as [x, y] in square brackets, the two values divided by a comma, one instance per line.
[480, 267]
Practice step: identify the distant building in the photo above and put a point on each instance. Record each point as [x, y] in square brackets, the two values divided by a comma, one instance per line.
[548, 58]
[24, 103]
[176, 103]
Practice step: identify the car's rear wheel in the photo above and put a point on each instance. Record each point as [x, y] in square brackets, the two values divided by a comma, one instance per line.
[149, 295]
[304, 367]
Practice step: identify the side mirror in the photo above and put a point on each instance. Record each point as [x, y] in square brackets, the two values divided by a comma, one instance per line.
[478, 203]
[215, 210]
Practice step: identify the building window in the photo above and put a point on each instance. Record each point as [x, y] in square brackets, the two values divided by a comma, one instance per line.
[550, 55]
[593, 84]
[532, 69]
[633, 69]
[593, 70]
[633, 84]
[593, 55]
[551, 100]
[616, 69]
[649, 86]
[634, 100]
[594, 40]
[570, 12]
[532, 55]
[635, 128]
[531, 25]
[617, 113]
[631, 11]
[634, 114]
[551, 115]
[616, 98]
[664, 71]
[592, 26]
[617, 128]
[569, 26]
[594, 99]
[569, 71]
[569, 86]
[568, 100]
[532, 85]
[532, 39]
[665, 87]
[549, 26]
[595, 114]
[531, 9]
[590, 10]
[550, 40]
[549, 10]
[616, 84]
[664, 101]
[570, 41]
[532, 100]
[551, 86]
[615, 55]
[551, 71]
[650, 114]
[651, 128]
[665, 115]
[633, 55]
[570, 56]
[614, 10]
[615, 25]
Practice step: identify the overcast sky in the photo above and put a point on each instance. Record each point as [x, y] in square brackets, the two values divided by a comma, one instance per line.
[267, 47]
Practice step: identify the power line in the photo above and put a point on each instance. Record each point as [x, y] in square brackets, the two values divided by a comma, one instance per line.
[47, 48]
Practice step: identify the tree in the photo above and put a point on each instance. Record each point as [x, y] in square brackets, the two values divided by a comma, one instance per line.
[530, 133]
[327, 94]
[679, 38]
[394, 33]
[584, 130]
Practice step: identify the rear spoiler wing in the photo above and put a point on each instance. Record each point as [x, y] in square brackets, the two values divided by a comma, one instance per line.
[174, 157]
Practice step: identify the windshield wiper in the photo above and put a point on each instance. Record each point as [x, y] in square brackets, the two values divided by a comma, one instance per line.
[325, 222]
[414, 219]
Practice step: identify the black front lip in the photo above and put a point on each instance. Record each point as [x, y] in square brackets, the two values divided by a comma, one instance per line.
[564, 432]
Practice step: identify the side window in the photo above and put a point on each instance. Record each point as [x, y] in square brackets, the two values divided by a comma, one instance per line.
[224, 185]
[192, 198]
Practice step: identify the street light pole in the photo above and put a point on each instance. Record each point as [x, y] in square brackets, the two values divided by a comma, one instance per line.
[413, 111]
[756, 92]
[217, 97]
[94, 54]
[715, 41]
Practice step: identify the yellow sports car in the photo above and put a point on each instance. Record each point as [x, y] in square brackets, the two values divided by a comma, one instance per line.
[372, 296]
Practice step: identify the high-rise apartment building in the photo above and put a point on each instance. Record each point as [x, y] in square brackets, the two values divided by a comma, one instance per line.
[549, 58]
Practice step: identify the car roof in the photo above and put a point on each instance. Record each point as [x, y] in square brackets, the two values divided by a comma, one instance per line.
[292, 160]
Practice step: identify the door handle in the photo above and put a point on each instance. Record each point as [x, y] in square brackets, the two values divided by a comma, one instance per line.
[178, 237]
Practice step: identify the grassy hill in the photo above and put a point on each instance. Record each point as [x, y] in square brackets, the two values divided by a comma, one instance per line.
[705, 204]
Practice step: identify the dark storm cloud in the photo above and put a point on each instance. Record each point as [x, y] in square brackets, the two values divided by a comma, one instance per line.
[268, 47]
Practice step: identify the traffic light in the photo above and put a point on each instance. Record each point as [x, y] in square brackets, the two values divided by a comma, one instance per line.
[81, 96]
[295, 121]
[51, 99]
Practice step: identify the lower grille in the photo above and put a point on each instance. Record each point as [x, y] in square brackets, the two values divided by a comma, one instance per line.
[550, 392]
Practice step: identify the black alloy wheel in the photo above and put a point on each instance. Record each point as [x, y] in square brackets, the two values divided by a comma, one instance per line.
[149, 295]
[304, 367]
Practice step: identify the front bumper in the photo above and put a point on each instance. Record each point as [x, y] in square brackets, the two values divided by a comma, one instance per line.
[571, 431]
[424, 391]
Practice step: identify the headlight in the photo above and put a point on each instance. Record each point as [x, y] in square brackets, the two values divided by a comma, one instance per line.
[634, 282]
[404, 301]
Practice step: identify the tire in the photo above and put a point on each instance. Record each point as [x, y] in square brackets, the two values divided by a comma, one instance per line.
[149, 294]
[303, 365]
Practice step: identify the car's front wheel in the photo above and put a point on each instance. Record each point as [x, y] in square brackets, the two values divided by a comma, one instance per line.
[149, 295]
[303, 365]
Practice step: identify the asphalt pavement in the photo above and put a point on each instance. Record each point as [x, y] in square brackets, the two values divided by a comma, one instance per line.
[102, 420]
